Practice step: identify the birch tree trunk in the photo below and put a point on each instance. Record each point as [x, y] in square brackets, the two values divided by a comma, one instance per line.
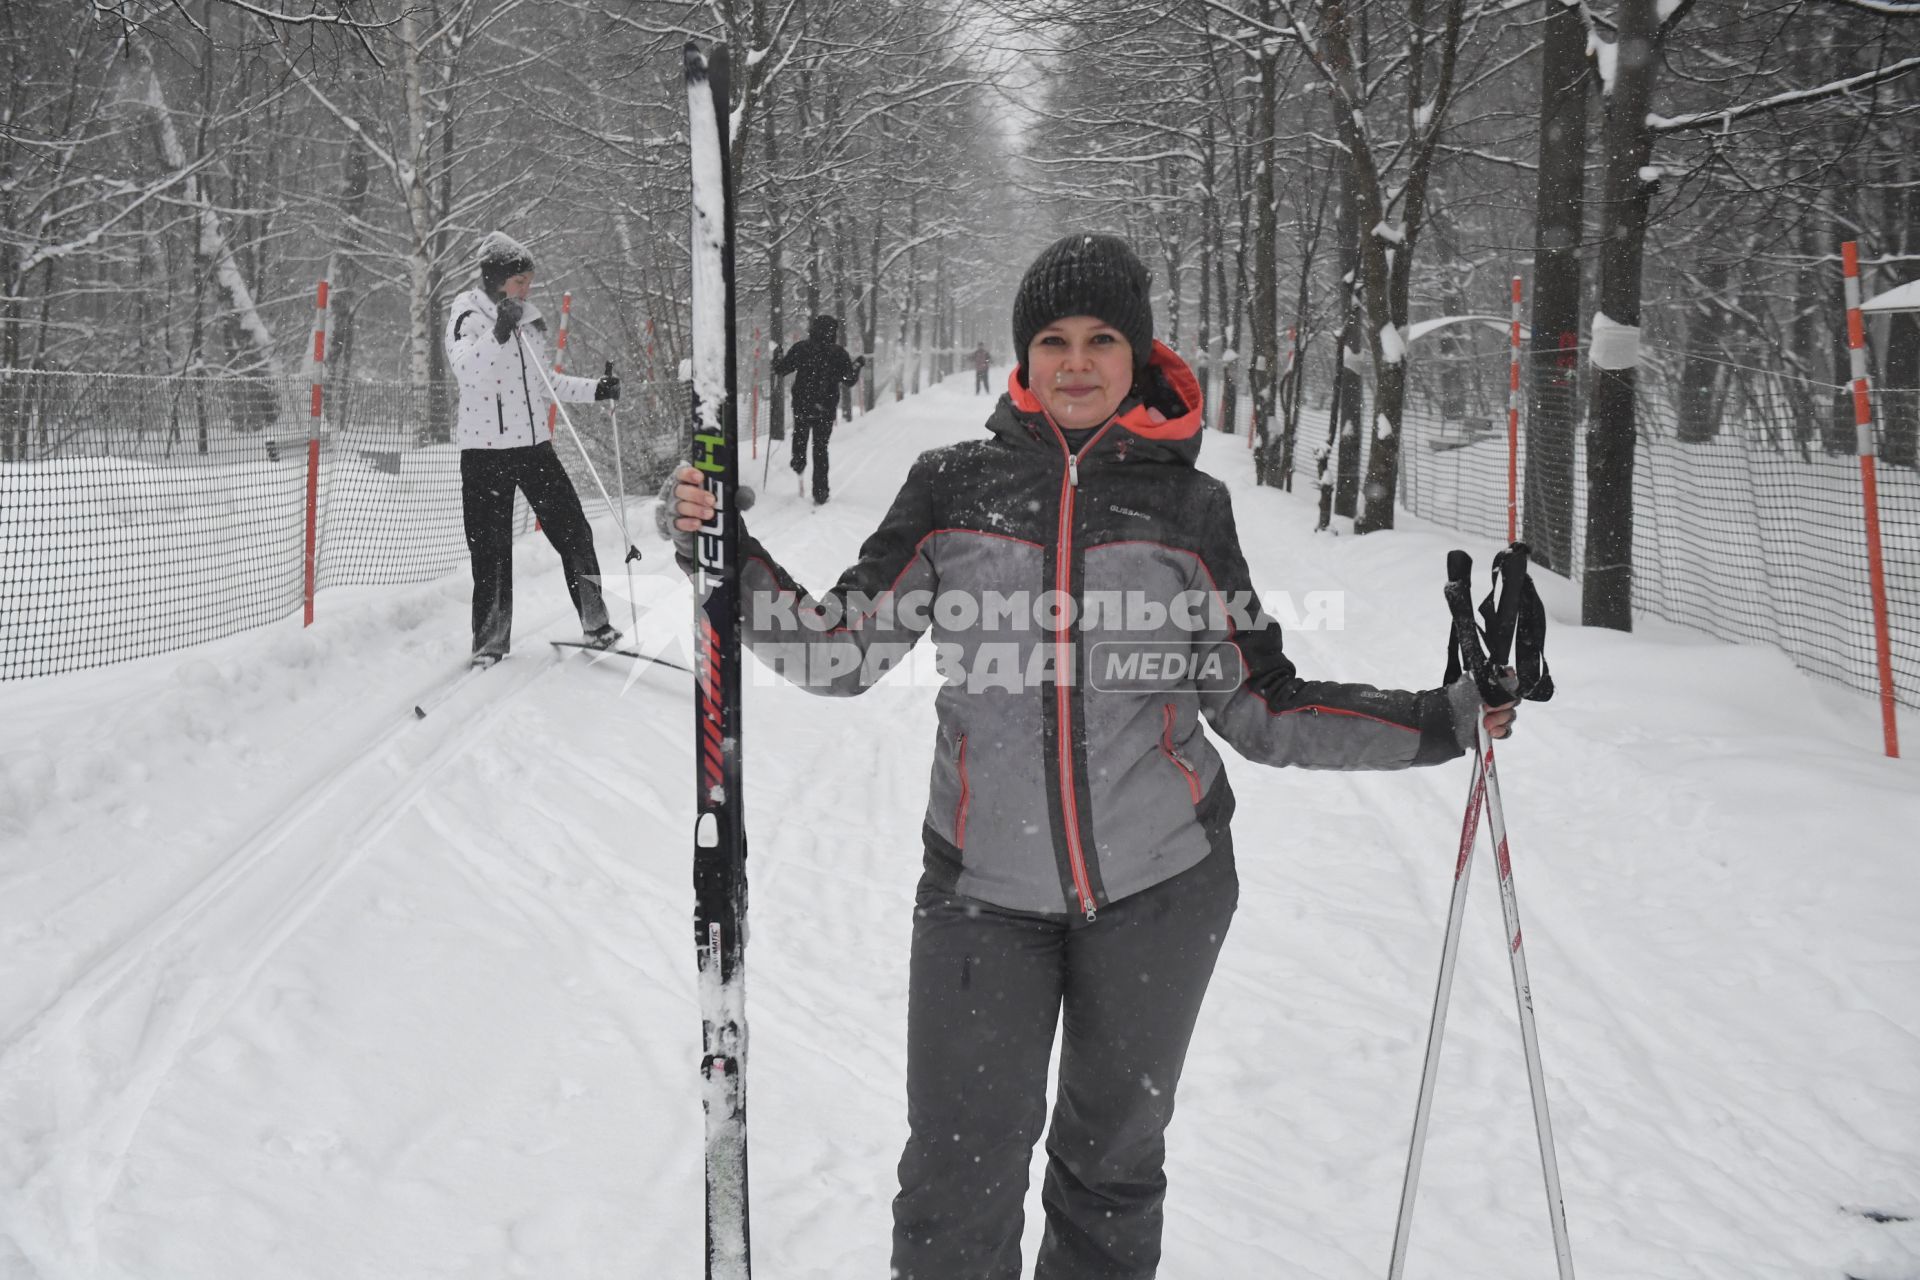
[212, 238]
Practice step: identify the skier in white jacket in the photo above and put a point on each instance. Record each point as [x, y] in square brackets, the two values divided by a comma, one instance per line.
[496, 343]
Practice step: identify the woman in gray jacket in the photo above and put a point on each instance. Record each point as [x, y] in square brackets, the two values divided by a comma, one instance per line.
[1086, 590]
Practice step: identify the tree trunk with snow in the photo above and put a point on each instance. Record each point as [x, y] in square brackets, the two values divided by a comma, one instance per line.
[1209, 247]
[1553, 406]
[1900, 419]
[213, 243]
[1352, 400]
[419, 217]
[1627, 188]
[1263, 320]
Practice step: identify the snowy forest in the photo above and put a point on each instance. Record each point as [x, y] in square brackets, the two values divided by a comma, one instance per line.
[177, 176]
[328, 954]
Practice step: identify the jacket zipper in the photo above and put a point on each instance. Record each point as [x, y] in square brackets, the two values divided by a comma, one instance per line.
[1063, 689]
[1179, 761]
[960, 810]
[500, 413]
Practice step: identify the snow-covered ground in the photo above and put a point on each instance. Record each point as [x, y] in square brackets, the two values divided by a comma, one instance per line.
[296, 986]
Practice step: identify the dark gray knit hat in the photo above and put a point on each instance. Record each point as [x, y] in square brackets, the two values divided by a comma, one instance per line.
[1086, 275]
[499, 257]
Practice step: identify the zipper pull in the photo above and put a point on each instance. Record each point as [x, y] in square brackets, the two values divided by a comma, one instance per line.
[1073, 481]
[1091, 914]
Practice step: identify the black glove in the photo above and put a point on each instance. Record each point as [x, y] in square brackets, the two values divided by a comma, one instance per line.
[608, 388]
[859, 363]
[507, 320]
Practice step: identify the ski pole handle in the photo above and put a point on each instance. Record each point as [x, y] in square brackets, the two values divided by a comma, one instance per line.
[1465, 652]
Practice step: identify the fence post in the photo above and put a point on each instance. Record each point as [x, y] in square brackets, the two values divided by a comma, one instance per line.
[1869, 495]
[311, 557]
[1513, 423]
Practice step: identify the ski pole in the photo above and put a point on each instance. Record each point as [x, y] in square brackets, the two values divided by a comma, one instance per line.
[1443, 990]
[620, 483]
[1512, 566]
[633, 552]
[1517, 612]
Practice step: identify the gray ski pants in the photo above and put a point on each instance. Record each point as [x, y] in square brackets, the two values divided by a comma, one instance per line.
[986, 989]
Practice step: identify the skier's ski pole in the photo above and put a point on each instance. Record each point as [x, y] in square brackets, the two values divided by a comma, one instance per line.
[633, 552]
[620, 483]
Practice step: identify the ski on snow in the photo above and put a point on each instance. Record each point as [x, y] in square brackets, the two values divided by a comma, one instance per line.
[719, 841]
[591, 650]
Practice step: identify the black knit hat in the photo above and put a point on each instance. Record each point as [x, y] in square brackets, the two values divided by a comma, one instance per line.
[499, 257]
[1086, 275]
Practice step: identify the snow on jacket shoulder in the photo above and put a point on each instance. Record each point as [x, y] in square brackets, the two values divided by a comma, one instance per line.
[1071, 767]
[503, 399]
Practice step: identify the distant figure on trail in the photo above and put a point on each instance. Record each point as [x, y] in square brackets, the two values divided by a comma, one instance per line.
[982, 361]
[496, 343]
[820, 367]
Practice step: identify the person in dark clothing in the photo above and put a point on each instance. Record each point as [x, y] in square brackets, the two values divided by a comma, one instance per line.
[820, 367]
[982, 362]
[1078, 869]
[496, 344]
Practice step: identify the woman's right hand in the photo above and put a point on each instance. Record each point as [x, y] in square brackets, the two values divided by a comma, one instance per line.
[693, 503]
[685, 505]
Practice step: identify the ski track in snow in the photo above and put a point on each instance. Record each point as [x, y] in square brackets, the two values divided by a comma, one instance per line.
[433, 1014]
[174, 976]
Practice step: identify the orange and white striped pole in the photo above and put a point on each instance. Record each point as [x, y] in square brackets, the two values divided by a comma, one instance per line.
[1869, 493]
[1513, 423]
[311, 556]
[560, 355]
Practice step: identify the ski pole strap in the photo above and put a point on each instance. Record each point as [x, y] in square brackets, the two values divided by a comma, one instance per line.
[1515, 625]
[1522, 624]
[1464, 651]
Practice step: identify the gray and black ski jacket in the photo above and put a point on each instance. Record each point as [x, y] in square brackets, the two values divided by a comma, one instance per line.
[1089, 610]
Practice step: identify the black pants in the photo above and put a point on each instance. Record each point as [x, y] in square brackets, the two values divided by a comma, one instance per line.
[816, 422]
[488, 478]
[985, 990]
[980, 381]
